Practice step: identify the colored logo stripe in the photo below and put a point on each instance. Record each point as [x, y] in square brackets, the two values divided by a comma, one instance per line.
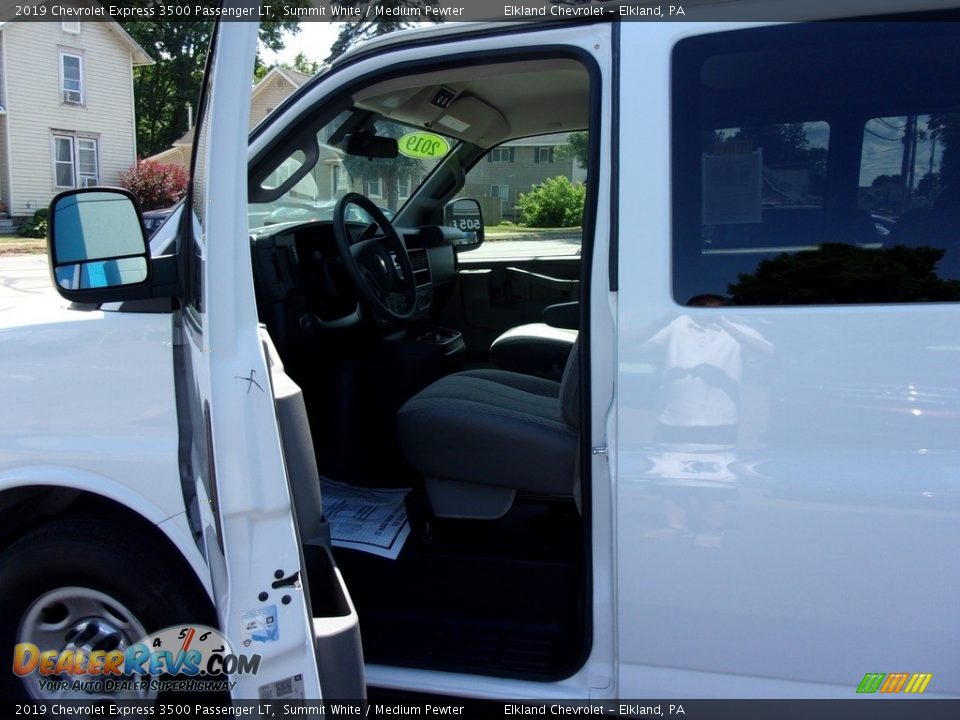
[871, 682]
[894, 683]
[918, 682]
[914, 683]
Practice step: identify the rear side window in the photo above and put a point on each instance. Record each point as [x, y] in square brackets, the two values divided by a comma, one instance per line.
[817, 164]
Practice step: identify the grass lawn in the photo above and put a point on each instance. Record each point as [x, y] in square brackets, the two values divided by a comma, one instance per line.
[22, 246]
[515, 232]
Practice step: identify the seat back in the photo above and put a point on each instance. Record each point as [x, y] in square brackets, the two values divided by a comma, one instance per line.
[570, 389]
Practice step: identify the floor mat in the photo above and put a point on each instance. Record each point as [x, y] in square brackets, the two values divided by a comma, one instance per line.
[364, 519]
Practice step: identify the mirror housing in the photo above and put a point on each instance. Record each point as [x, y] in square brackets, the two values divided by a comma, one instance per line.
[98, 249]
[370, 146]
[465, 215]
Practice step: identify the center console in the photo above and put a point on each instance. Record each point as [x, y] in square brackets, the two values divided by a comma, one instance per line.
[417, 356]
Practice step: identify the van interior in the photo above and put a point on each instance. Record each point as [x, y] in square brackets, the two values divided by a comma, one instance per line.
[423, 358]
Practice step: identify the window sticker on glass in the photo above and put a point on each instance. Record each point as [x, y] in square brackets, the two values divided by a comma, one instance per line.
[732, 187]
[422, 145]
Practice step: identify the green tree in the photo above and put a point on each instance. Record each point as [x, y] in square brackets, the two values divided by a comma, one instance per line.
[840, 274]
[945, 128]
[353, 31]
[577, 146]
[555, 203]
[881, 180]
[164, 90]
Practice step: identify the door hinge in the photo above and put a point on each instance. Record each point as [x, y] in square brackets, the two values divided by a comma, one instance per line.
[600, 450]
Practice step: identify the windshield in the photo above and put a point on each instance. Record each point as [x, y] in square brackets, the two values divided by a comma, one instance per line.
[389, 182]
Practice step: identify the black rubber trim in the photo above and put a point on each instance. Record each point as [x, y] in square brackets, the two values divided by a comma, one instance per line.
[613, 259]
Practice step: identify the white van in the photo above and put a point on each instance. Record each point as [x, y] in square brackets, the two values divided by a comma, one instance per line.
[705, 446]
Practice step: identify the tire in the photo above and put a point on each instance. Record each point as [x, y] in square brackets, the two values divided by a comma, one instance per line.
[76, 574]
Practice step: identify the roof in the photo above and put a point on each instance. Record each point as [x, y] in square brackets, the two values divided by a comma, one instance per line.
[185, 139]
[140, 56]
[294, 77]
[705, 10]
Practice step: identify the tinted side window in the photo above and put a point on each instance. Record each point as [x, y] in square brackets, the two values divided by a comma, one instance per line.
[817, 164]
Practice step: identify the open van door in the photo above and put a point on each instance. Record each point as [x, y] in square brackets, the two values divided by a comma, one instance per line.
[230, 445]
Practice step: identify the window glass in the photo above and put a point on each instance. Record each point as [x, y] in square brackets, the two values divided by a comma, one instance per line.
[795, 184]
[501, 155]
[531, 192]
[72, 83]
[87, 161]
[334, 173]
[909, 183]
[63, 161]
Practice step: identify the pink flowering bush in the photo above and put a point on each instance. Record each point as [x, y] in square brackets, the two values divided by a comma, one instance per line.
[156, 185]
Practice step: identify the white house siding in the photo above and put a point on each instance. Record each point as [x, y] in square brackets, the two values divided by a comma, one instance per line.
[4, 179]
[265, 101]
[275, 87]
[32, 78]
[4, 174]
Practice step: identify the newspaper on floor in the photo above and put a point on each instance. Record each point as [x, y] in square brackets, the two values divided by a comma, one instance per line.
[366, 519]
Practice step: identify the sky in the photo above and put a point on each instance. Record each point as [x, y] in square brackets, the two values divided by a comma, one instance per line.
[313, 40]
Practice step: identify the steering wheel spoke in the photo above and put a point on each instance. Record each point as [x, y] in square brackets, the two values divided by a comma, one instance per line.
[376, 262]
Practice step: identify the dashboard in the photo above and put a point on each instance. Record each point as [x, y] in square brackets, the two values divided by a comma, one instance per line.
[302, 288]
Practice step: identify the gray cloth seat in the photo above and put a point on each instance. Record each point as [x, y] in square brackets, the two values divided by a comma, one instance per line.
[480, 436]
[534, 349]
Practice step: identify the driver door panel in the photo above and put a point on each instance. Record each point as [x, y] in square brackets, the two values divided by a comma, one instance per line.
[493, 296]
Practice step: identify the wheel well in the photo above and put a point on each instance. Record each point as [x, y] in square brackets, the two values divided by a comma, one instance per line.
[23, 509]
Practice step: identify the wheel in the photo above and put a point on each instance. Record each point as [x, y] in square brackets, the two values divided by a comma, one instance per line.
[76, 585]
[378, 266]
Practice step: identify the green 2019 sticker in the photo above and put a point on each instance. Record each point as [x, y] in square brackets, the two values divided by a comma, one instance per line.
[423, 145]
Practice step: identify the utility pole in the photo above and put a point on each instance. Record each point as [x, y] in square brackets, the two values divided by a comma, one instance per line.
[907, 162]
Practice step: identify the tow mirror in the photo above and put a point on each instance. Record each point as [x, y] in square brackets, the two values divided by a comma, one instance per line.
[465, 215]
[98, 248]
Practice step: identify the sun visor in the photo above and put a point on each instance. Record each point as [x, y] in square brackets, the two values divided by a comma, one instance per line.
[471, 119]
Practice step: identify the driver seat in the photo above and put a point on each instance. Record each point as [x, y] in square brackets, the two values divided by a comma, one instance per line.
[480, 436]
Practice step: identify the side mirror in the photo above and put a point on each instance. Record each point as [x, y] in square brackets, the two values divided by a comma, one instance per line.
[465, 215]
[98, 248]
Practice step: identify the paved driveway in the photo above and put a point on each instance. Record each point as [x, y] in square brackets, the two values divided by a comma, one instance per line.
[25, 282]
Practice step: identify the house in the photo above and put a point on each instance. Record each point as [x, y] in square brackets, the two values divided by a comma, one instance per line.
[67, 114]
[517, 167]
[273, 89]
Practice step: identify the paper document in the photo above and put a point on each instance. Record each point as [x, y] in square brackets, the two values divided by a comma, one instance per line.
[374, 521]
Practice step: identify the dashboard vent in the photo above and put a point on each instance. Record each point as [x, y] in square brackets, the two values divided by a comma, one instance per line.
[418, 259]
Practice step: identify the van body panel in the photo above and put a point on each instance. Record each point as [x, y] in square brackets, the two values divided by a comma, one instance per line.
[814, 542]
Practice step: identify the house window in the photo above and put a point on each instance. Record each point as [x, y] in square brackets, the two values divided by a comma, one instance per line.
[374, 188]
[76, 161]
[500, 191]
[543, 155]
[403, 186]
[87, 162]
[71, 27]
[500, 155]
[71, 78]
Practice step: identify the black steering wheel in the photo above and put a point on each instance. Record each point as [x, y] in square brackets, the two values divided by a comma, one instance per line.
[376, 262]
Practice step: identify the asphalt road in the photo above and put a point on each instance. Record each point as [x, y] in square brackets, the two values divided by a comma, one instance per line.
[25, 281]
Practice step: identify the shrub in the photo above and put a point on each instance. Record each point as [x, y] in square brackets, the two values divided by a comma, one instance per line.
[555, 203]
[155, 185]
[36, 227]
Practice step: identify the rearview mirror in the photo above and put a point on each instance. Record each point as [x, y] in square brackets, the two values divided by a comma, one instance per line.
[98, 247]
[465, 215]
[371, 146]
